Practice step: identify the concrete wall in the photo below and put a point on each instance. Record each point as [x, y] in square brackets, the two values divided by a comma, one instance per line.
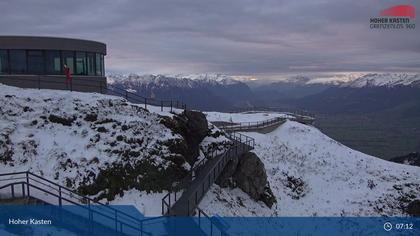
[77, 83]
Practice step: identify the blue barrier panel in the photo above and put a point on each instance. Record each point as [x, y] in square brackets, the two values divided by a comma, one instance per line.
[72, 220]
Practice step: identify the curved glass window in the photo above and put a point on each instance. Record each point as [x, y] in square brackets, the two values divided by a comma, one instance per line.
[4, 62]
[35, 61]
[81, 63]
[53, 62]
[98, 64]
[17, 61]
[68, 59]
[90, 63]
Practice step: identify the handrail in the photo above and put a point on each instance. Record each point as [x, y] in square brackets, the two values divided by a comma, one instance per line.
[252, 125]
[92, 210]
[144, 100]
[104, 88]
[275, 109]
[171, 197]
[116, 214]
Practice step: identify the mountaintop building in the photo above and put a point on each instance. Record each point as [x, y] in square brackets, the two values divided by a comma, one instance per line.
[39, 62]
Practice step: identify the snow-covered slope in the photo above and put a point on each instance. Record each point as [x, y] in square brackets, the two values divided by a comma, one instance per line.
[94, 144]
[311, 174]
[37, 141]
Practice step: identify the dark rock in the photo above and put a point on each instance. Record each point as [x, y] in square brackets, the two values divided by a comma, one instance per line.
[26, 109]
[91, 117]
[106, 121]
[101, 129]
[225, 178]
[250, 175]
[413, 208]
[297, 187]
[61, 120]
[193, 127]
[268, 196]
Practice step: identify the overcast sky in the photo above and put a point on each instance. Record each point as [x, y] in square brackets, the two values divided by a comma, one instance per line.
[236, 37]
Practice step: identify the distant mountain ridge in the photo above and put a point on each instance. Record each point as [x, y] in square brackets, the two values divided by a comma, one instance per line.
[359, 80]
[200, 91]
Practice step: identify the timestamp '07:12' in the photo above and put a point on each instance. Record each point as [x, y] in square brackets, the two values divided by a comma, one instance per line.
[404, 226]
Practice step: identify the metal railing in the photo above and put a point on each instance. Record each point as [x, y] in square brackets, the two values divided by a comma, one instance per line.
[26, 185]
[135, 98]
[291, 111]
[82, 85]
[242, 144]
[245, 126]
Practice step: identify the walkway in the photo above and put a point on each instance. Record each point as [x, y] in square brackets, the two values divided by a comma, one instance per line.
[206, 176]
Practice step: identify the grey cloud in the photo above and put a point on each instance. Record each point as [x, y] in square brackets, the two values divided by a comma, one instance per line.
[234, 37]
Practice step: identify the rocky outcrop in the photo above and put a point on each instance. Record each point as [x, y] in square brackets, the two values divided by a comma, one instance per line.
[193, 127]
[248, 173]
[226, 177]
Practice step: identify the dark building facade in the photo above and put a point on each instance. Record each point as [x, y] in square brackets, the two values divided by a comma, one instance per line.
[39, 62]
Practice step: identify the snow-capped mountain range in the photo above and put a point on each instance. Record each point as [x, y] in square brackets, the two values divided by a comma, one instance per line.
[360, 80]
[200, 91]
[178, 81]
[354, 80]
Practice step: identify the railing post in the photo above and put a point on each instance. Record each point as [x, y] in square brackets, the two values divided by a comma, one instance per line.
[161, 105]
[188, 207]
[39, 82]
[27, 184]
[199, 218]
[145, 103]
[141, 228]
[13, 190]
[171, 105]
[23, 190]
[59, 198]
[163, 206]
[196, 197]
[116, 221]
[211, 228]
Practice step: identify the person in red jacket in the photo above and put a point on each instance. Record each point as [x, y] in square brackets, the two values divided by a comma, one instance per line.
[67, 73]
